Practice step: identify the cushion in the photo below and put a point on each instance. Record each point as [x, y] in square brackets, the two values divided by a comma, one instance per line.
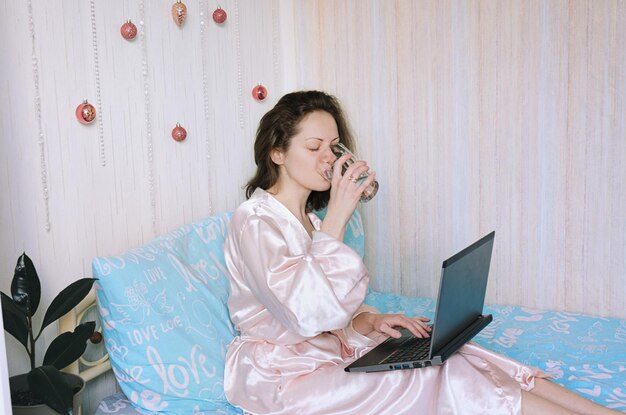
[119, 404]
[165, 319]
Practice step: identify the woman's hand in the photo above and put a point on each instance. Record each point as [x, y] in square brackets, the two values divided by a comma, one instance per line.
[345, 193]
[386, 323]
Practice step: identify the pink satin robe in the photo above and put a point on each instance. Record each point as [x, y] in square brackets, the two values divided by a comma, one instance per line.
[293, 299]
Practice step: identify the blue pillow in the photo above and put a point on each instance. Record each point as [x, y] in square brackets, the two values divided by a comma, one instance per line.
[165, 320]
[165, 317]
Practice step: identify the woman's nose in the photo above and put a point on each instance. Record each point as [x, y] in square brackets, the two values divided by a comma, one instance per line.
[328, 156]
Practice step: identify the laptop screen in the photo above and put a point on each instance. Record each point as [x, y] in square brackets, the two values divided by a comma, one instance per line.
[461, 291]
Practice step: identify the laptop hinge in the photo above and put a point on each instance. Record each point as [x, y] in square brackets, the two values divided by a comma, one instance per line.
[467, 334]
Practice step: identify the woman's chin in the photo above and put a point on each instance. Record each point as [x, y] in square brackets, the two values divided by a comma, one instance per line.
[322, 187]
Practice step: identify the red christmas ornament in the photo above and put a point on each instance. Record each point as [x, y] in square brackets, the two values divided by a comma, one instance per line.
[96, 337]
[128, 30]
[259, 92]
[179, 13]
[219, 15]
[179, 133]
[85, 113]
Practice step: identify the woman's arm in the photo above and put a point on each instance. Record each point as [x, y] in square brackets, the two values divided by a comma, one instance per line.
[316, 291]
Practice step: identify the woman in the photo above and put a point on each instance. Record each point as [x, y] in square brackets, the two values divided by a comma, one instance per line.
[297, 296]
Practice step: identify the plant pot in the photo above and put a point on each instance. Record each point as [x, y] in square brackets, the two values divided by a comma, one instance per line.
[20, 383]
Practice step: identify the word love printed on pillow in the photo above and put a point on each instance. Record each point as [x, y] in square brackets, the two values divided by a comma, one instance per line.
[137, 337]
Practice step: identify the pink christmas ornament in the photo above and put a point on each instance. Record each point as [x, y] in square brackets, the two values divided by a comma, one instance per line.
[259, 92]
[85, 113]
[179, 133]
[219, 15]
[128, 30]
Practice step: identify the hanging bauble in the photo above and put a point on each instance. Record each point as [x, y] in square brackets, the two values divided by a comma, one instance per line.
[259, 92]
[96, 337]
[128, 30]
[179, 133]
[219, 15]
[179, 12]
[85, 113]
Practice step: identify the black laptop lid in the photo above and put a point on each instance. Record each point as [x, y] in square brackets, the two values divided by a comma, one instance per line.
[461, 291]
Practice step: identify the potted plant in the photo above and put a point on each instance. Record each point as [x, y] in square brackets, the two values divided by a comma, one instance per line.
[45, 384]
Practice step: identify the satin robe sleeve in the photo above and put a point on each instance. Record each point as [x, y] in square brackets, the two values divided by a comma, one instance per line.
[309, 292]
[352, 339]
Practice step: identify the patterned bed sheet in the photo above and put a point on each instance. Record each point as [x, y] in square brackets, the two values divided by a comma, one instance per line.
[584, 353]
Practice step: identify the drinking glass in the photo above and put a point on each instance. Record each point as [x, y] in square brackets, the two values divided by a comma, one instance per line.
[340, 150]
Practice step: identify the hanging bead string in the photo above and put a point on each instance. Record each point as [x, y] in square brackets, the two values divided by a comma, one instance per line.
[275, 39]
[239, 76]
[147, 108]
[204, 12]
[96, 64]
[42, 145]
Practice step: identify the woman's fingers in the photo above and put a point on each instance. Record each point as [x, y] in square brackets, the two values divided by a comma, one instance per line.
[350, 183]
[370, 178]
[417, 325]
[338, 166]
[346, 188]
[389, 329]
[356, 170]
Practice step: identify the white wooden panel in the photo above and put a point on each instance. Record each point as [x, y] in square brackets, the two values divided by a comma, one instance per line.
[480, 116]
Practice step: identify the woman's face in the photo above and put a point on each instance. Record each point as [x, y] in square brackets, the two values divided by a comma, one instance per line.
[308, 150]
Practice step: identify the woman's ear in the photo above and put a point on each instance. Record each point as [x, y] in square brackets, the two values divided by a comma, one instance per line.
[277, 156]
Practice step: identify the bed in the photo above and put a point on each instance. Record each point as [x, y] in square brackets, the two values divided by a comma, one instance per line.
[162, 311]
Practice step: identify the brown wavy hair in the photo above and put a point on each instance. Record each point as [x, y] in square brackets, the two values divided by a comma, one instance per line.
[277, 128]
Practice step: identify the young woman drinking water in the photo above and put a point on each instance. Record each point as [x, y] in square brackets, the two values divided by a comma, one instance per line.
[297, 295]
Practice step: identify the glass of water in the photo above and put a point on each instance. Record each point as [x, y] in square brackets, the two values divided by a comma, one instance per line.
[339, 150]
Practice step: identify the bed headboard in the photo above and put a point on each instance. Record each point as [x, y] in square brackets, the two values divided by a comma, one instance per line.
[85, 367]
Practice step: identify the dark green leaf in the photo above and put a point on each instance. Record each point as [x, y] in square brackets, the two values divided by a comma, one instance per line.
[25, 287]
[49, 385]
[67, 299]
[68, 347]
[14, 320]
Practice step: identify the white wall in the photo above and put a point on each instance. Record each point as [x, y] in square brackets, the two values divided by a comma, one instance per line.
[482, 115]
[476, 116]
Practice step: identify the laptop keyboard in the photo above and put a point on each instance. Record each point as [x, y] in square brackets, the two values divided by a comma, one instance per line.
[413, 348]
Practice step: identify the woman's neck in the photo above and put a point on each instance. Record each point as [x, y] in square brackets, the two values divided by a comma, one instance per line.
[295, 203]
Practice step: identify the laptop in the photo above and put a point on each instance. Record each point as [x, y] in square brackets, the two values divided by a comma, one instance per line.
[458, 316]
